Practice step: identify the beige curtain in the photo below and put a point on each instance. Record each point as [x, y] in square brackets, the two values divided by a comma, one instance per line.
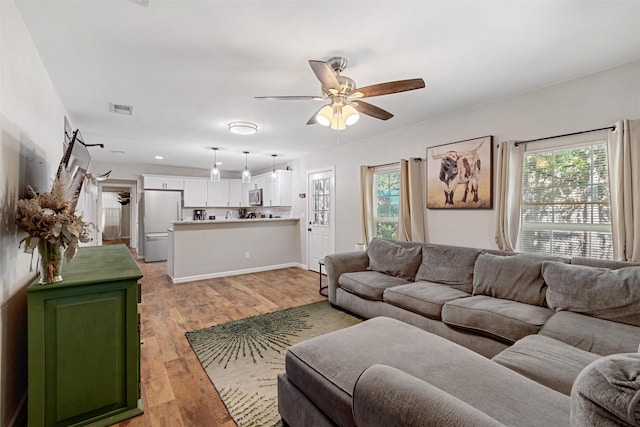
[411, 214]
[623, 147]
[366, 202]
[508, 189]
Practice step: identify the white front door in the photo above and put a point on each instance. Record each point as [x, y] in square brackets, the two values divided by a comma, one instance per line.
[321, 216]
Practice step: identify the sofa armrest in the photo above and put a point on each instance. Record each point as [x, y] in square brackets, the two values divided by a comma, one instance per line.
[385, 396]
[347, 262]
[607, 392]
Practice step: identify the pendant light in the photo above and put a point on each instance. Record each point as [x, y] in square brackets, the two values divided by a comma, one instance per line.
[215, 172]
[274, 175]
[246, 175]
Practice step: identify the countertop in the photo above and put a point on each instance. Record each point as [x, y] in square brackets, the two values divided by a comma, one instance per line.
[223, 221]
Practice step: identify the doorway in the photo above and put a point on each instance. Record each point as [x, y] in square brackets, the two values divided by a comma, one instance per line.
[117, 215]
[321, 215]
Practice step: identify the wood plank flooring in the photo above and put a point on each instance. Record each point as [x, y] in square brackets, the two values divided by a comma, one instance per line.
[175, 389]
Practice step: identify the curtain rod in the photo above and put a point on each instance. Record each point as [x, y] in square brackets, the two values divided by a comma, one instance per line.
[416, 159]
[566, 134]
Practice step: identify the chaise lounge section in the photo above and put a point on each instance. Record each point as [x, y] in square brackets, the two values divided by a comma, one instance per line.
[464, 336]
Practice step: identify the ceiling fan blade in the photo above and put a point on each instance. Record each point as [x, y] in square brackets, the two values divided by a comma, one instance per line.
[372, 110]
[290, 98]
[391, 87]
[325, 74]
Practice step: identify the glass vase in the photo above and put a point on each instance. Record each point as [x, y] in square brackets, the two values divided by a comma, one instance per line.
[50, 262]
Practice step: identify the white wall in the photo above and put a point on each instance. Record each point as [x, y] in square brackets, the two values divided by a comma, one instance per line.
[589, 102]
[31, 137]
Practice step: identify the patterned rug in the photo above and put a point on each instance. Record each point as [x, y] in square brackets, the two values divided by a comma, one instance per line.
[243, 358]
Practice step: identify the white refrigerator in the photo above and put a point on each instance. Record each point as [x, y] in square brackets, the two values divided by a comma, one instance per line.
[159, 209]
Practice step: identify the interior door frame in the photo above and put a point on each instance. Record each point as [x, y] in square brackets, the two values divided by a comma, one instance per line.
[332, 204]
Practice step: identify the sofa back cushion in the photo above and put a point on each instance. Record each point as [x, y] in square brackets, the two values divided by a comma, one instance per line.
[450, 265]
[598, 292]
[390, 258]
[516, 277]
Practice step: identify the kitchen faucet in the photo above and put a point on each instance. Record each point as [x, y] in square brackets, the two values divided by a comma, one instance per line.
[228, 215]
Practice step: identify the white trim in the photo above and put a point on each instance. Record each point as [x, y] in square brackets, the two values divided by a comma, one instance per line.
[234, 272]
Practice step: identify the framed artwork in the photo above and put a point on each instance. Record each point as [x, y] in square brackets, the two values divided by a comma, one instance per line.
[460, 175]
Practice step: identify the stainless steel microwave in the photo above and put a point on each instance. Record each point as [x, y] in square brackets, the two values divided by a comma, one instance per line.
[255, 197]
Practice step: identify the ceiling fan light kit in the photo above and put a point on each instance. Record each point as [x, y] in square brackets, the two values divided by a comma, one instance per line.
[342, 92]
[243, 128]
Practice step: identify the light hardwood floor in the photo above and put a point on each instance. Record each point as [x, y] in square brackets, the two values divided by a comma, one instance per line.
[175, 389]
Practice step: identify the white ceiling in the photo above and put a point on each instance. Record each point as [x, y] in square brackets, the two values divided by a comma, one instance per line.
[189, 68]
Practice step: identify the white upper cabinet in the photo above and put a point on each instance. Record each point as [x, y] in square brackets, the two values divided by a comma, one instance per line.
[161, 182]
[239, 193]
[277, 192]
[218, 193]
[195, 192]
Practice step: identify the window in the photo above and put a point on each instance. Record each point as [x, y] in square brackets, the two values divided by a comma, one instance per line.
[565, 207]
[386, 199]
[321, 197]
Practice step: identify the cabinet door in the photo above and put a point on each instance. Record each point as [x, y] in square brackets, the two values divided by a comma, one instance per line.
[153, 182]
[195, 192]
[239, 193]
[285, 188]
[218, 193]
[173, 183]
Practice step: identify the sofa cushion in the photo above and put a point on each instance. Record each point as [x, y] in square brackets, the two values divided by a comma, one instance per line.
[424, 298]
[603, 263]
[389, 258]
[598, 292]
[516, 277]
[588, 333]
[327, 367]
[607, 392]
[504, 319]
[546, 361]
[450, 265]
[368, 284]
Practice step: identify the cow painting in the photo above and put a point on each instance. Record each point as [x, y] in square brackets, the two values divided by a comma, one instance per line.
[461, 168]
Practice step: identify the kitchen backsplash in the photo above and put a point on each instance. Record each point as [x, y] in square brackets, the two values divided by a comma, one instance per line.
[219, 213]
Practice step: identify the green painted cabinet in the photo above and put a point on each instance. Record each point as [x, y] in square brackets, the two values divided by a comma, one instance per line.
[84, 341]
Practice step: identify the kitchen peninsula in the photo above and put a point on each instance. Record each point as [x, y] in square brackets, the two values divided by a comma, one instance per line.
[215, 248]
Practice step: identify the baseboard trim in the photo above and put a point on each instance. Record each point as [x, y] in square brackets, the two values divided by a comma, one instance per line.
[234, 272]
[20, 412]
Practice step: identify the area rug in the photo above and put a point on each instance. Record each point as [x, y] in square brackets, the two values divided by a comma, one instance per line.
[243, 358]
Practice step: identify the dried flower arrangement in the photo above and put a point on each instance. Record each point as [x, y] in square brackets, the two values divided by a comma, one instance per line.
[48, 217]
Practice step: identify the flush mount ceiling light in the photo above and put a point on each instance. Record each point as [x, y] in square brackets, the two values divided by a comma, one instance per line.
[243, 128]
[126, 110]
[246, 175]
[215, 172]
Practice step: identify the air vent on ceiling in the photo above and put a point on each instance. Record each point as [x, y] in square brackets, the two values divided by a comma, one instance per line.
[127, 110]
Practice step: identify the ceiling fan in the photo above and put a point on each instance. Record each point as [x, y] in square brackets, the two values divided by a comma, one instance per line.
[345, 99]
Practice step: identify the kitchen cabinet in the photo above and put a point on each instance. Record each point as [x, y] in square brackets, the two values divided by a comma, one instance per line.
[278, 191]
[160, 182]
[218, 193]
[195, 192]
[239, 193]
[258, 181]
[84, 341]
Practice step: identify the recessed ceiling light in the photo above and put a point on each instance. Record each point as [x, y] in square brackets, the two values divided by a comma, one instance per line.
[159, 157]
[117, 151]
[126, 110]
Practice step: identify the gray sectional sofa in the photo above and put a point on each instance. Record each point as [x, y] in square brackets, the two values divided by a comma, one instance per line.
[465, 336]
